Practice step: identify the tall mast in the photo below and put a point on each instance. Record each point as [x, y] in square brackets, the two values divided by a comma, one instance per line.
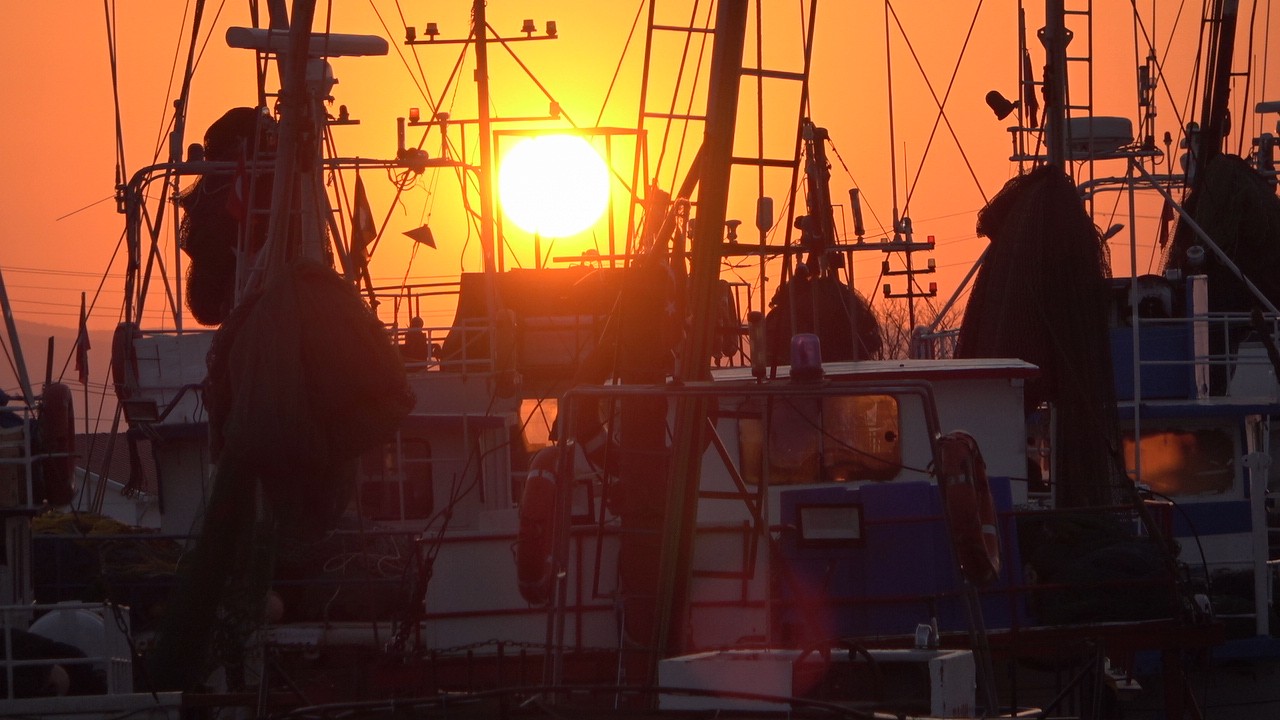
[1054, 38]
[294, 112]
[480, 28]
[1213, 120]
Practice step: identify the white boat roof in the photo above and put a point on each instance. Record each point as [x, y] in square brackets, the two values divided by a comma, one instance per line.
[890, 370]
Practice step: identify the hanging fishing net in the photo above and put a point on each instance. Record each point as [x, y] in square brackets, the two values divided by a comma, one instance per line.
[840, 317]
[302, 380]
[1041, 295]
[1239, 210]
[215, 207]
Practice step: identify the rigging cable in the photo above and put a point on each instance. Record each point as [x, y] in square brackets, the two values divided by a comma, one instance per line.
[942, 115]
[1248, 77]
[869, 206]
[1266, 50]
[423, 87]
[617, 70]
[1180, 112]
[893, 161]
[109, 9]
[679, 81]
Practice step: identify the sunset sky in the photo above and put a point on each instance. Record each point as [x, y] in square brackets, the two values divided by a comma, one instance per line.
[57, 133]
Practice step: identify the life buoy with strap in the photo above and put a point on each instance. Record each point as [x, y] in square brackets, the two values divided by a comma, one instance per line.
[537, 527]
[971, 511]
[56, 436]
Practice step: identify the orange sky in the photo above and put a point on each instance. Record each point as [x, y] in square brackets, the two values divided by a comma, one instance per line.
[57, 133]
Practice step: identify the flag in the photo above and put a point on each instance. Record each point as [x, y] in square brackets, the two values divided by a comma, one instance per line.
[363, 230]
[82, 345]
[1166, 215]
[422, 235]
[1029, 102]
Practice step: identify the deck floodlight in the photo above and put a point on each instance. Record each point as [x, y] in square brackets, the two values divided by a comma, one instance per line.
[1000, 105]
[830, 525]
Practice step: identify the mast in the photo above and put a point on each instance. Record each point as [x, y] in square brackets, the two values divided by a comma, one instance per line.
[713, 197]
[1054, 37]
[480, 28]
[1213, 119]
[294, 111]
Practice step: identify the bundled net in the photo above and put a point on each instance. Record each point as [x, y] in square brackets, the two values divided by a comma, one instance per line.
[302, 380]
[213, 210]
[1238, 209]
[1042, 296]
[822, 305]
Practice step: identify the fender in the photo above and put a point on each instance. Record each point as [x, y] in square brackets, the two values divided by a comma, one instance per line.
[56, 436]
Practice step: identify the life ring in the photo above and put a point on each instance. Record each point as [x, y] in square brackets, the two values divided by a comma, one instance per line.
[56, 436]
[970, 509]
[537, 527]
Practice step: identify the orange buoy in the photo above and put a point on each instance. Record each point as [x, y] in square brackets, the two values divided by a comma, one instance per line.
[57, 438]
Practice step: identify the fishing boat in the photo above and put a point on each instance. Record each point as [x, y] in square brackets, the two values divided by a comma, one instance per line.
[614, 481]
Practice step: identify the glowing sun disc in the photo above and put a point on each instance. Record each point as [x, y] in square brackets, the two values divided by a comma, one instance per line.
[553, 185]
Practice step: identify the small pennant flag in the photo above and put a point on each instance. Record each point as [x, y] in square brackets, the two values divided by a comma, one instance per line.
[363, 230]
[82, 345]
[422, 235]
[1166, 215]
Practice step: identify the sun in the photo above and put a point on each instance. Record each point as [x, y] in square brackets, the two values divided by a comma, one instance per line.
[553, 185]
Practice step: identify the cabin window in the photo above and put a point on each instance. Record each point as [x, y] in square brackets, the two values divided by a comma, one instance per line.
[396, 481]
[536, 420]
[1181, 462]
[830, 439]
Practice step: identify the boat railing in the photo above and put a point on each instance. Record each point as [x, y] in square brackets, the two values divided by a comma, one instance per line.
[1209, 355]
[468, 345]
[99, 630]
[17, 457]
[940, 344]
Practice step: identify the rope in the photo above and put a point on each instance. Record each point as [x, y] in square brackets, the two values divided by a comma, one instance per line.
[893, 142]
[684, 59]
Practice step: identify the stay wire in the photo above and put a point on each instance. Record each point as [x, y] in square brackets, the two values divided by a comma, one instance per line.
[617, 70]
[893, 142]
[942, 115]
[109, 9]
[420, 79]
[1180, 112]
[678, 83]
[1248, 78]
